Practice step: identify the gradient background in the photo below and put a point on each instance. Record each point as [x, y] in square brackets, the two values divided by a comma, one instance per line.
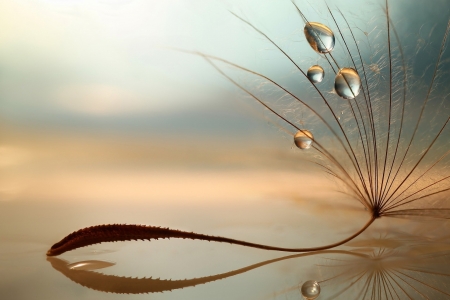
[100, 122]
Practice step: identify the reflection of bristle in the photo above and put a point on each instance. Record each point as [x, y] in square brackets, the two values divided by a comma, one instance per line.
[390, 273]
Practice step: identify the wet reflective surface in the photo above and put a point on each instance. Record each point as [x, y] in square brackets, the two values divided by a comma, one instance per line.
[180, 268]
[202, 269]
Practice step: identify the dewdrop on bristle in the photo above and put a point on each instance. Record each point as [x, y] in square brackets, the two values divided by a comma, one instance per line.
[347, 83]
[303, 139]
[310, 290]
[319, 37]
[315, 74]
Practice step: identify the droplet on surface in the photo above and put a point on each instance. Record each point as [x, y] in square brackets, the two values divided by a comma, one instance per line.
[303, 139]
[319, 37]
[89, 265]
[347, 83]
[315, 74]
[311, 290]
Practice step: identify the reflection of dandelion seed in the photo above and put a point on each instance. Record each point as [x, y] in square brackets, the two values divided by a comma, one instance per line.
[393, 266]
[386, 155]
[415, 270]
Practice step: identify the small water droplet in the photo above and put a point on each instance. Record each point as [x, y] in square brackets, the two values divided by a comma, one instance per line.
[319, 37]
[311, 290]
[303, 139]
[315, 74]
[347, 83]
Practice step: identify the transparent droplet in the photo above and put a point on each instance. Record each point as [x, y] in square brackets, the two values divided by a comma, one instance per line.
[303, 139]
[89, 265]
[315, 74]
[311, 290]
[347, 83]
[319, 37]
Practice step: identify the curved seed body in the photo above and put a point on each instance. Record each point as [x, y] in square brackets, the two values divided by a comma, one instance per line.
[123, 232]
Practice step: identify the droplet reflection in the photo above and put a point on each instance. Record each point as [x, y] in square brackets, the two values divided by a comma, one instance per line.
[316, 74]
[311, 290]
[319, 37]
[89, 265]
[347, 83]
[303, 139]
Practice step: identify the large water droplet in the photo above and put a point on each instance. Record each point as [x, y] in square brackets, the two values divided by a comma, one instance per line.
[303, 139]
[319, 37]
[311, 290]
[315, 74]
[347, 83]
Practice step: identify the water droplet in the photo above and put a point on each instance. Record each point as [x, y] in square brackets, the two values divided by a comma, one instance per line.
[315, 74]
[319, 37]
[347, 83]
[311, 290]
[303, 139]
[89, 265]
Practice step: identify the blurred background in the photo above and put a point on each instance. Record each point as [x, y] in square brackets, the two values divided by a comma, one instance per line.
[93, 88]
[102, 120]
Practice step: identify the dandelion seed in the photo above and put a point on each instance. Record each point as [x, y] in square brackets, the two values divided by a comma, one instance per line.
[385, 155]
